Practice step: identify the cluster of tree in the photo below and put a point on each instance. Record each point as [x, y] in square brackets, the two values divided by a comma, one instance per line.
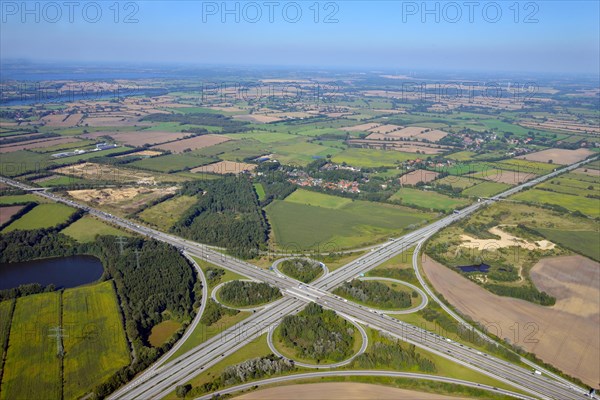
[318, 334]
[228, 124]
[226, 215]
[25, 290]
[214, 312]
[527, 292]
[22, 138]
[21, 245]
[301, 269]
[254, 368]
[374, 293]
[213, 275]
[386, 352]
[244, 293]
[274, 181]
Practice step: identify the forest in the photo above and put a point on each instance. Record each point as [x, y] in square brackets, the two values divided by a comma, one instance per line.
[318, 334]
[244, 293]
[386, 352]
[301, 269]
[227, 214]
[375, 294]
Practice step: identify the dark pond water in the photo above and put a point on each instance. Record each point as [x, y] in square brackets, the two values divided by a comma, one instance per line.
[63, 272]
[474, 268]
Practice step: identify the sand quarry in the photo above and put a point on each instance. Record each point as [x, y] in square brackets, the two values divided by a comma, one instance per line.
[506, 240]
[339, 391]
[564, 335]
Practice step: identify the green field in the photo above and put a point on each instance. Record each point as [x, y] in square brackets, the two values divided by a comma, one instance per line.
[20, 199]
[86, 228]
[61, 181]
[461, 156]
[428, 199]
[260, 191]
[485, 189]
[573, 203]
[372, 158]
[263, 137]
[565, 184]
[6, 308]
[42, 216]
[354, 224]
[526, 166]
[22, 162]
[171, 162]
[96, 346]
[32, 369]
[302, 152]
[583, 242]
[317, 199]
[164, 215]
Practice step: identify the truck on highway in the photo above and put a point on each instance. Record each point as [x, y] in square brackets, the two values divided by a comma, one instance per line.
[536, 372]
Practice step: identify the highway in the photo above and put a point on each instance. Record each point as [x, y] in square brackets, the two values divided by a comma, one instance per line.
[157, 382]
[374, 373]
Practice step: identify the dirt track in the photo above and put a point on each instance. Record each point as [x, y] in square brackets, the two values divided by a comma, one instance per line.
[339, 391]
[565, 335]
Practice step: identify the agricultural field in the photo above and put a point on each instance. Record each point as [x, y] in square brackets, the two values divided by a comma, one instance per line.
[428, 199]
[162, 332]
[459, 182]
[372, 158]
[461, 156]
[6, 309]
[171, 163]
[22, 162]
[20, 199]
[6, 213]
[558, 156]
[338, 222]
[95, 345]
[138, 139]
[587, 206]
[109, 173]
[32, 368]
[485, 189]
[198, 142]
[260, 191]
[42, 216]
[87, 228]
[419, 175]
[165, 214]
[225, 167]
[526, 166]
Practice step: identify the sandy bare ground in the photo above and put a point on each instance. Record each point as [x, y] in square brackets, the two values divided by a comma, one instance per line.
[194, 143]
[225, 167]
[125, 200]
[558, 156]
[361, 127]
[6, 213]
[94, 171]
[419, 175]
[564, 335]
[339, 391]
[506, 240]
[36, 144]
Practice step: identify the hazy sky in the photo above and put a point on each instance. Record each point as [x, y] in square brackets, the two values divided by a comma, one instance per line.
[554, 36]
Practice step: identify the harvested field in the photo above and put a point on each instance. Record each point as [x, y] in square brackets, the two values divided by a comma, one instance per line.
[419, 175]
[386, 129]
[258, 119]
[198, 142]
[546, 331]
[588, 171]
[506, 240]
[361, 127]
[339, 391]
[432, 136]
[37, 143]
[62, 120]
[140, 138]
[143, 153]
[225, 167]
[6, 213]
[504, 176]
[558, 156]
[115, 120]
